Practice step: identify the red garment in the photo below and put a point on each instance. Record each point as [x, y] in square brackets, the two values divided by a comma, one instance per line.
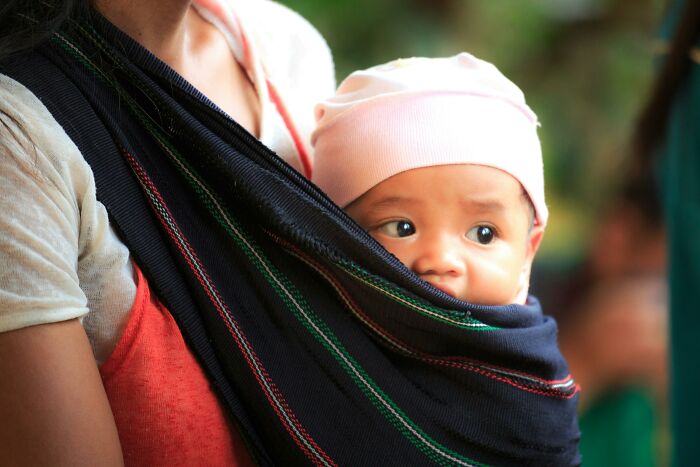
[163, 405]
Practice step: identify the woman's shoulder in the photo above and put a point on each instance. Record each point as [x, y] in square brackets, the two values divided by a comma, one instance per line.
[19, 102]
[39, 213]
[36, 146]
[289, 45]
[65, 258]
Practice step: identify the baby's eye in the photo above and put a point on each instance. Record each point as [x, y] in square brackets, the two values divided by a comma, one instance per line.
[481, 234]
[402, 228]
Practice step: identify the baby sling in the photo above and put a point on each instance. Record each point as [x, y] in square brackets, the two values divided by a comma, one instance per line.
[322, 347]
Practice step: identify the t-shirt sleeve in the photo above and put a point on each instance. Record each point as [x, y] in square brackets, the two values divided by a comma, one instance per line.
[40, 192]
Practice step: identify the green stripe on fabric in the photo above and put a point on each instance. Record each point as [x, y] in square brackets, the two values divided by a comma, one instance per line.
[458, 319]
[296, 303]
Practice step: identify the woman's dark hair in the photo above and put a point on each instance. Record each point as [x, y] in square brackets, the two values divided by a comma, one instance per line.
[26, 23]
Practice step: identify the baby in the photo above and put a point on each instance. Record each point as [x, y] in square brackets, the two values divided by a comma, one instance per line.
[439, 160]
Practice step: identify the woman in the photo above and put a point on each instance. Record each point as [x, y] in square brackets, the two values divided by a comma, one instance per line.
[175, 293]
[208, 45]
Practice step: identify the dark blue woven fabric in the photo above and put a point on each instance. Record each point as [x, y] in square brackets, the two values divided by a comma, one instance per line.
[368, 365]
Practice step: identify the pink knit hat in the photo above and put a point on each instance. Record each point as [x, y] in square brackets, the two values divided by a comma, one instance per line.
[421, 112]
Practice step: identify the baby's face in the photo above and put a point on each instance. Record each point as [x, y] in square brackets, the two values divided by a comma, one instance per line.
[465, 229]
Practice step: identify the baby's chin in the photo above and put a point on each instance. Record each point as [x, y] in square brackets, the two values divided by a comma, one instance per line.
[518, 297]
[486, 301]
[449, 290]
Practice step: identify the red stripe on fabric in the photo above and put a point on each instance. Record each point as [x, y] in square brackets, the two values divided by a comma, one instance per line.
[454, 362]
[204, 279]
[222, 313]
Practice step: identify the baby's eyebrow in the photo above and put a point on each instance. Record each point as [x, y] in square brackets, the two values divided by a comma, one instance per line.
[390, 201]
[489, 205]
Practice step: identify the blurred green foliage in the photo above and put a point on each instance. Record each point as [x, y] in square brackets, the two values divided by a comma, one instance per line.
[584, 65]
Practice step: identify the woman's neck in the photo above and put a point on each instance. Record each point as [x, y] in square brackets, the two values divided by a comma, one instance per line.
[175, 33]
[164, 27]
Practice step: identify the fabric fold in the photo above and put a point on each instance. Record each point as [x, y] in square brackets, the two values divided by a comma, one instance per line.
[323, 347]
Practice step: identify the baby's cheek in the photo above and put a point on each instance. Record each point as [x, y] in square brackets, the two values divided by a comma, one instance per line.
[493, 282]
[398, 249]
[493, 293]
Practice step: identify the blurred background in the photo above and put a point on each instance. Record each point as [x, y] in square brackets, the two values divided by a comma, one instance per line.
[585, 67]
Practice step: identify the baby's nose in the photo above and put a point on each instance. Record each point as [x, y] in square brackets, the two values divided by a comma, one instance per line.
[440, 257]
